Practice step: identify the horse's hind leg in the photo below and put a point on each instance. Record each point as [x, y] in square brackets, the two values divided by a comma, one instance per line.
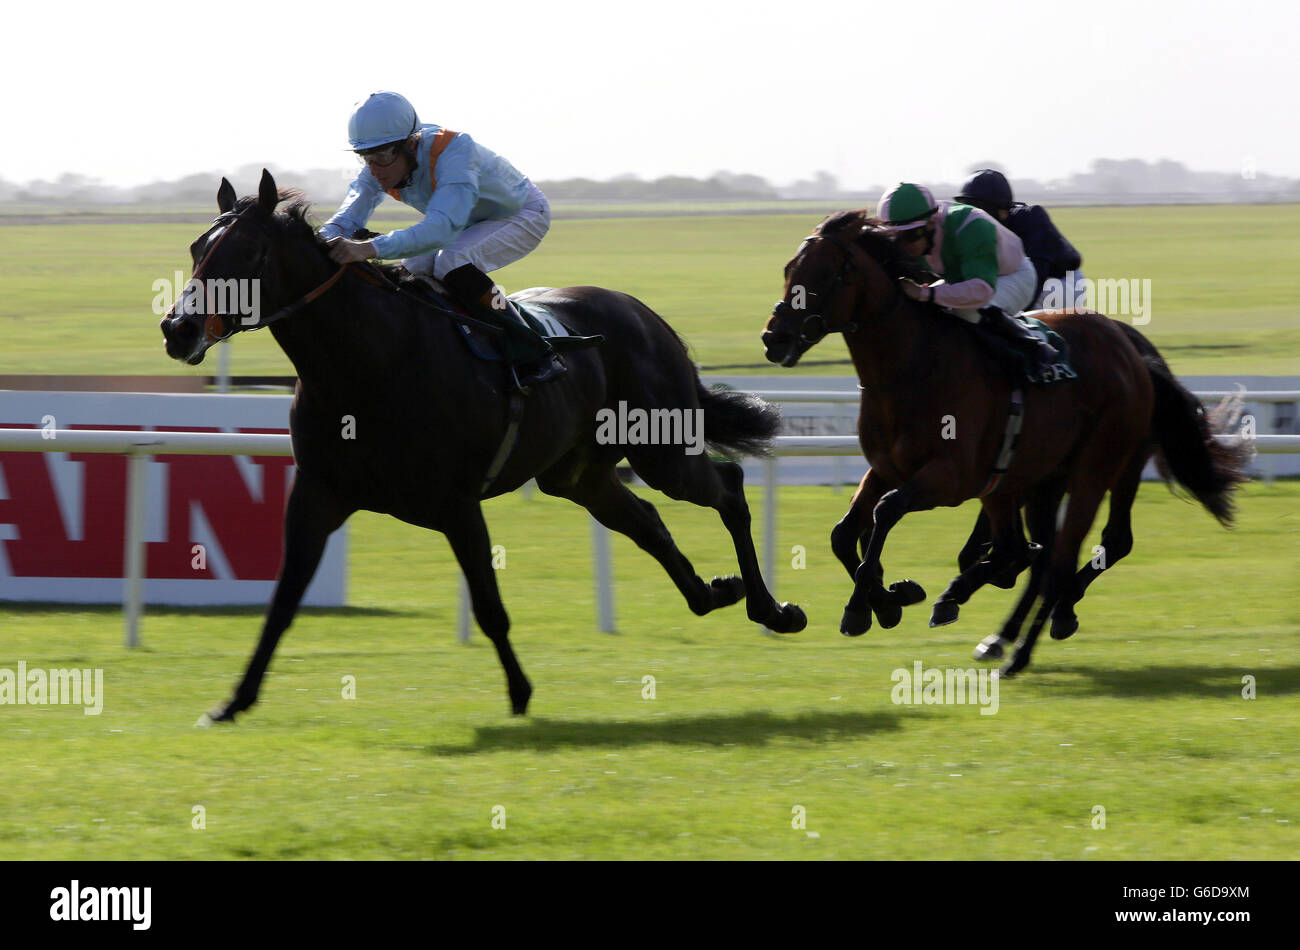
[1007, 557]
[311, 516]
[1060, 588]
[468, 536]
[617, 508]
[1117, 536]
[720, 486]
[976, 545]
[1040, 515]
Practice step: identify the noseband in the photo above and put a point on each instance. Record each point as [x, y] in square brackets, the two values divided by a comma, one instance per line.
[815, 326]
[218, 326]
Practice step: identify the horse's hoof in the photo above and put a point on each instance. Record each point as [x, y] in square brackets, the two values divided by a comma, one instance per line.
[727, 590]
[908, 592]
[990, 648]
[944, 613]
[519, 700]
[888, 614]
[1013, 666]
[855, 623]
[1064, 627]
[226, 712]
[791, 619]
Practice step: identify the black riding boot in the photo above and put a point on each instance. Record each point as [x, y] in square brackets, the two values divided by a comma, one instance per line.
[1041, 354]
[532, 360]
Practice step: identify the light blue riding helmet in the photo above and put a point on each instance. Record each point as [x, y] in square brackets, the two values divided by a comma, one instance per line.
[384, 117]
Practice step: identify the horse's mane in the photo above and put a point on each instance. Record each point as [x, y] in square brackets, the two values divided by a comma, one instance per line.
[874, 237]
[294, 220]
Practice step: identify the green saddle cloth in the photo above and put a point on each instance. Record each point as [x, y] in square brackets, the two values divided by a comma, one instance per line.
[541, 320]
[1057, 372]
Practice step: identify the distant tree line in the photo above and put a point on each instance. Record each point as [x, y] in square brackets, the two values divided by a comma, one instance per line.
[1107, 180]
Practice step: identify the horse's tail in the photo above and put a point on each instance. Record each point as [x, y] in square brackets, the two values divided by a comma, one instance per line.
[738, 423]
[1187, 451]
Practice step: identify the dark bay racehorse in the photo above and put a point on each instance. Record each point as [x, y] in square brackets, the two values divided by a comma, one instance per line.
[932, 421]
[393, 415]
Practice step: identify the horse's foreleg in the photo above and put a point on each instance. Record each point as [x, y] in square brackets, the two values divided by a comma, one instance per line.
[856, 522]
[868, 590]
[468, 535]
[311, 516]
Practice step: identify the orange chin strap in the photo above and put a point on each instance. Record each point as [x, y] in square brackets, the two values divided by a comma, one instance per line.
[440, 142]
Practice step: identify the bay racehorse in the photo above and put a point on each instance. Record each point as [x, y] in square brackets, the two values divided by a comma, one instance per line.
[933, 418]
[392, 414]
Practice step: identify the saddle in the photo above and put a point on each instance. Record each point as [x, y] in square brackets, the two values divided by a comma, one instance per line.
[487, 345]
[1061, 370]
[1021, 365]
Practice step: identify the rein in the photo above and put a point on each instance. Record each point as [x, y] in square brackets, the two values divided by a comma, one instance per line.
[814, 326]
[219, 326]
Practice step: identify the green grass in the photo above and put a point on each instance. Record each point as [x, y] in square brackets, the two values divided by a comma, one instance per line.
[1141, 712]
[76, 298]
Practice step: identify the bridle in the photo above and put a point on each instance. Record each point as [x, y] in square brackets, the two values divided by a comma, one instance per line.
[218, 326]
[815, 326]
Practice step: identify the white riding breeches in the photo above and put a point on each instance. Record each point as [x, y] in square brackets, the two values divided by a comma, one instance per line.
[1064, 292]
[490, 245]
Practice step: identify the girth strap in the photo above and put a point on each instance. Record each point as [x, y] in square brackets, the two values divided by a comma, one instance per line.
[507, 443]
[1015, 420]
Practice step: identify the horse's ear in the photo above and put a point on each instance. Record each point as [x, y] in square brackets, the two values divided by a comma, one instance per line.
[225, 196]
[268, 196]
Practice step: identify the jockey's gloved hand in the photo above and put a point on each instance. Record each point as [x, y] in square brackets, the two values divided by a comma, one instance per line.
[916, 291]
[343, 251]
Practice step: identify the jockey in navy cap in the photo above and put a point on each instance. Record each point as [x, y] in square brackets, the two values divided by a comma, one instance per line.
[1053, 256]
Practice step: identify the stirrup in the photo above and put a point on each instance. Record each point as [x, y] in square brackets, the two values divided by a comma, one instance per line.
[548, 366]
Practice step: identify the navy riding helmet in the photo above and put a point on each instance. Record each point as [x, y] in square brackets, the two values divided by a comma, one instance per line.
[987, 189]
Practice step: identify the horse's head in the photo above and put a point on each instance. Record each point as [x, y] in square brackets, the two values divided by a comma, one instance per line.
[231, 259]
[837, 270]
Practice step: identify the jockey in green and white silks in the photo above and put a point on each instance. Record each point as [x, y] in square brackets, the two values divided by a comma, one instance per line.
[980, 262]
[983, 274]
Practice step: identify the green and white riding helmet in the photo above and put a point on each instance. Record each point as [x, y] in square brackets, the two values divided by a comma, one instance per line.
[906, 206]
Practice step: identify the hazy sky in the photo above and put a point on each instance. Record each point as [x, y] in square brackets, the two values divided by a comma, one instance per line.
[872, 92]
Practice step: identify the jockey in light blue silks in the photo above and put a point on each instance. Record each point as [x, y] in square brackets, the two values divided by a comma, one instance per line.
[480, 213]
[983, 274]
